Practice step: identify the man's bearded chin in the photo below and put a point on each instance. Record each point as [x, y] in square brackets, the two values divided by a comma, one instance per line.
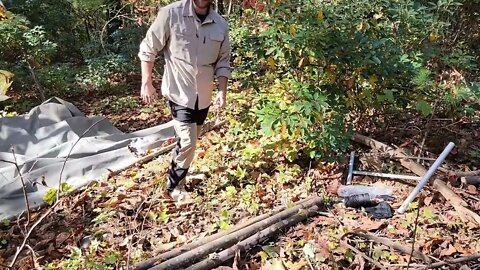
[203, 3]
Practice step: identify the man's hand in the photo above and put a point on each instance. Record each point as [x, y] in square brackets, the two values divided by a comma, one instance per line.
[221, 99]
[148, 93]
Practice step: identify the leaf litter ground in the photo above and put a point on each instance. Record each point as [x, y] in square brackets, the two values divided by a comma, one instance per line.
[116, 222]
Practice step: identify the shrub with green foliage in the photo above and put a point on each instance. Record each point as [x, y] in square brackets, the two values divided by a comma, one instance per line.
[311, 62]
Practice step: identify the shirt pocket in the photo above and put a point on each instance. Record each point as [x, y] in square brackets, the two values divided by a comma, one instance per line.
[213, 43]
[182, 42]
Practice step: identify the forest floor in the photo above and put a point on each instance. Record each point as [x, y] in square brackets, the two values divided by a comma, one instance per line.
[116, 222]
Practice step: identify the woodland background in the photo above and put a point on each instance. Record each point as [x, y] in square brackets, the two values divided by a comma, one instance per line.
[306, 74]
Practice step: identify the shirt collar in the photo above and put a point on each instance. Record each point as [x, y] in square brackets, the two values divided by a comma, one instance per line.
[188, 11]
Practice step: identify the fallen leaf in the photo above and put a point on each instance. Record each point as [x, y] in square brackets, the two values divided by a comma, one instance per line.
[164, 247]
[61, 238]
[112, 202]
[295, 266]
[428, 200]
[472, 189]
[447, 252]
[358, 263]
[368, 224]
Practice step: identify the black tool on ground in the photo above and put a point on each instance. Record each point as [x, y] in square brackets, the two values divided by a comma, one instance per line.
[375, 206]
[380, 211]
[472, 180]
[364, 200]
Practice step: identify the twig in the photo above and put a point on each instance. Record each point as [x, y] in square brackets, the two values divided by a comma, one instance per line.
[390, 243]
[354, 249]
[70, 152]
[22, 246]
[6, 266]
[427, 131]
[310, 264]
[454, 261]
[57, 201]
[24, 188]
[414, 233]
[106, 24]
[463, 174]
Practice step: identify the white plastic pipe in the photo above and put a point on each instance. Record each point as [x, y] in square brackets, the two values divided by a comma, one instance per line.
[425, 178]
[389, 175]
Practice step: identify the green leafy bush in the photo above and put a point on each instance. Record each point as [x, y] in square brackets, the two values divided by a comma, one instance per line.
[311, 63]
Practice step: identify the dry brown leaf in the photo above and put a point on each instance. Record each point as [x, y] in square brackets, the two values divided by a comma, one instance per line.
[368, 224]
[358, 263]
[61, 238]
[295, 266]
[447, 252]
[43, 244]
[112, 202]
[275, 264]
[472, 189]
[428, 200]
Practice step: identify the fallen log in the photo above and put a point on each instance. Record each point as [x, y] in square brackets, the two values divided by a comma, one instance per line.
[192, 256]
[177, 251]
[456, 201]
[252, 241]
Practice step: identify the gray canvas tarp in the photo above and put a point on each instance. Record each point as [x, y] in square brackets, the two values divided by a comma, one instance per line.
[42, 140]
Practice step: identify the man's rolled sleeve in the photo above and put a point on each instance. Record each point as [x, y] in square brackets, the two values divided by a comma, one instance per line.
[222, 67]
[156, 37]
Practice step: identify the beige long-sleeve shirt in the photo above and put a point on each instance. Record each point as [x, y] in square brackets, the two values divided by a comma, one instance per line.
[195, 52]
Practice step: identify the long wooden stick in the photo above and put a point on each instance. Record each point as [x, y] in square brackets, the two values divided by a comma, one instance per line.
[208, 127]
[396, 246]
[194, 255]
[177, 251]
[456, 201]
[253, 240]
[454, 261]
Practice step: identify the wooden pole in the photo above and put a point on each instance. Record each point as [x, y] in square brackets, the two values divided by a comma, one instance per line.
[254, 240]
[177, 251]
[198, 253]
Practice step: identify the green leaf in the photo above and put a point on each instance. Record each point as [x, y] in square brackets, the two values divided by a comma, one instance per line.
[424, 107]
[164, 216]
[309, 251]
[231, 190]
[6, 222]
[428, 214]
[271, 251]
[111, 259]
[224, 225]
[413, 205]
[50, 196]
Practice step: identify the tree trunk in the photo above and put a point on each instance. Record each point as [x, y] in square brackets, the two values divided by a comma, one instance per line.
[196, 254]
[39, 87]
[254, 240]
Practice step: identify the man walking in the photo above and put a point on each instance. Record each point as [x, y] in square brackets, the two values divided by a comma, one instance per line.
[194, 40]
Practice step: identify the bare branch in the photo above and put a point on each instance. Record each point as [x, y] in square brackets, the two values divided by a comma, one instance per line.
[24, 188]
[70, 152]
[57, 201]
